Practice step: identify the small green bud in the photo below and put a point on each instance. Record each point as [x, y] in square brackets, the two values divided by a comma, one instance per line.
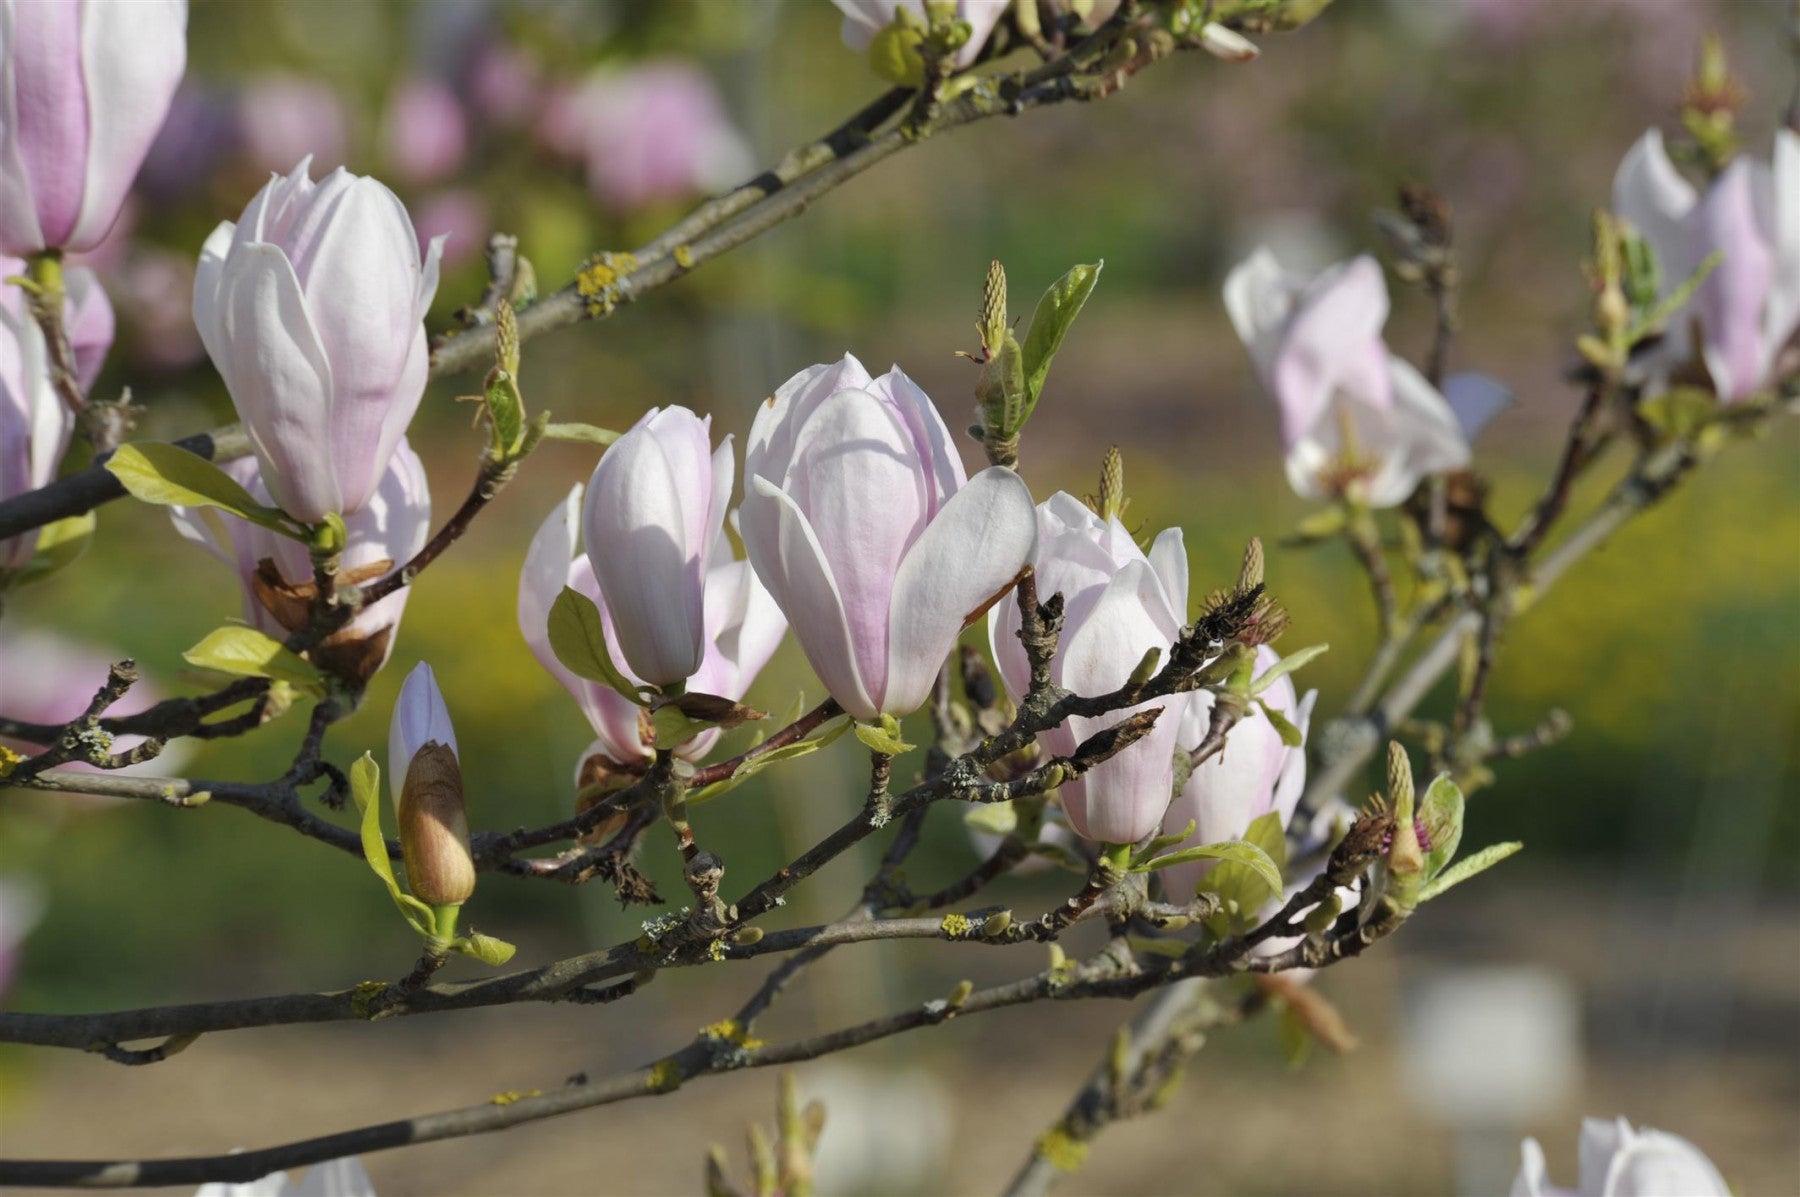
[996, 923]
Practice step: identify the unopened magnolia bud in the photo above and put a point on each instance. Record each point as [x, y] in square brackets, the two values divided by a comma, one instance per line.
[1400, 782]
[745, 936]
[434, 828]
[1112, 501]
[997, 923]
[993, 307]
[1228, 44]
[1251, 574]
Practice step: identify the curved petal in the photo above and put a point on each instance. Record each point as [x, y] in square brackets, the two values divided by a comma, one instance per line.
[420, 718]
[279, 378]
[788, 559]
[857, 475]
[972, 551]
[1656, 1162]
[1782, 317]
[51, 83]
[1731, 300]
[208, 276]
[1475, 399]
[132, 56]
[1650, 193]
[1332, 342]
[545, 573]
[935, 445]
[1168, 558]
[770, 446]
[1259, 298]
[1419, 436]
[88, 317]
[20, 232]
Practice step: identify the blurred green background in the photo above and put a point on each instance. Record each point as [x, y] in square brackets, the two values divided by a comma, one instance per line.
[1671, 808]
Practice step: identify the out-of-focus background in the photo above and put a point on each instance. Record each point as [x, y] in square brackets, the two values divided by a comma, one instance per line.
[1641, 958]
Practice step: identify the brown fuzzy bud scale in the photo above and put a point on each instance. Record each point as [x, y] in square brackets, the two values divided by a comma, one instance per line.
[434, 828]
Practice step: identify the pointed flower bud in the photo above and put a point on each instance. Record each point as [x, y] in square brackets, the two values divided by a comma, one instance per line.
[1228, 44]
[425, 778]
[654, 509]
[859, 520]
[1120, 604]
[312, 308]
[83, 89]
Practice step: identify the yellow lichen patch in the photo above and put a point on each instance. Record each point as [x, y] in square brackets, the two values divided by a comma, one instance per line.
[597, 279]
[512, 1095]
[665, 1077]
[728, 1031]
[955, 926]
[9, 760]
[1064, 1152]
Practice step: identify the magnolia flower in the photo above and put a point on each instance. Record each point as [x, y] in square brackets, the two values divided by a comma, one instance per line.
[83, 89]
[425, 132]
[312, 308]
[425, 779]
[35, 424]
[286, 118]
[858, 519]
[742, 628]
[863, 19]
[651, 132]
[655, 507]
[276, 572]
[1358, 421]
[1617, 1161]
[1118, 605]
[1255, 773]
[334, 1178]
[1749, 306]
[51, 679]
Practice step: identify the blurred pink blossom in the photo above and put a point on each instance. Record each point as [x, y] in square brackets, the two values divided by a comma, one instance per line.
[201, 129]
[460, 216]
[506, 84]
[51, 678]
[649, 132]
[425, 135]
[284, 118]
[21, 905]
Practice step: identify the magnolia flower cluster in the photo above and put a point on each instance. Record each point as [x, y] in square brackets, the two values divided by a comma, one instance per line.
[1748, 308]
[1359, 422]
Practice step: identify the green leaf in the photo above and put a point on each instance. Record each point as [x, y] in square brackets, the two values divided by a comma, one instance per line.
[506, 408]
[365, 790]
[1468, 867]
[1237, 851]
[1291, 1033]
[992, 818]
[1658, 315]
[674, 727]
[1287, 665]
[1235, 881]
[579, 642]
[894, 54]
[1441, 814]
[1679, 412]
[163, 474]
[883, 736]
[245, 652]
[1284, 727]
[585, 434]
[485, 948]
[1322, 524]
[59, 545]
[1163, 843]
[1056, 311]
[787, 752]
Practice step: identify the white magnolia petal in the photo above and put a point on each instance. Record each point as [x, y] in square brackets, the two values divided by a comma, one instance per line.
[975, 547]
[788, 559]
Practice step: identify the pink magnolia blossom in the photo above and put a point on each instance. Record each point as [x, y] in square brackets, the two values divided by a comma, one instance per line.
[859, 520]
[863, 19]
[655, 509]
[1617, 1161]
[283, 119]
[49, 678]
[1358, 421]
[312, 307]
[742, 627]
[382, 534]
[83, 89]
[35, 424]
[425, 134]
[458, 219]
[651, 132]
[1118, 604]
[1255, 774]
[1748, 309]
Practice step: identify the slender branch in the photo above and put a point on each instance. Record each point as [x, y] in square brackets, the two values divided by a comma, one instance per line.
[719, 226]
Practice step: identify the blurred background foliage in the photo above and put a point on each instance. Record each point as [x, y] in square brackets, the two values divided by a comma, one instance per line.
[1674, 649]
